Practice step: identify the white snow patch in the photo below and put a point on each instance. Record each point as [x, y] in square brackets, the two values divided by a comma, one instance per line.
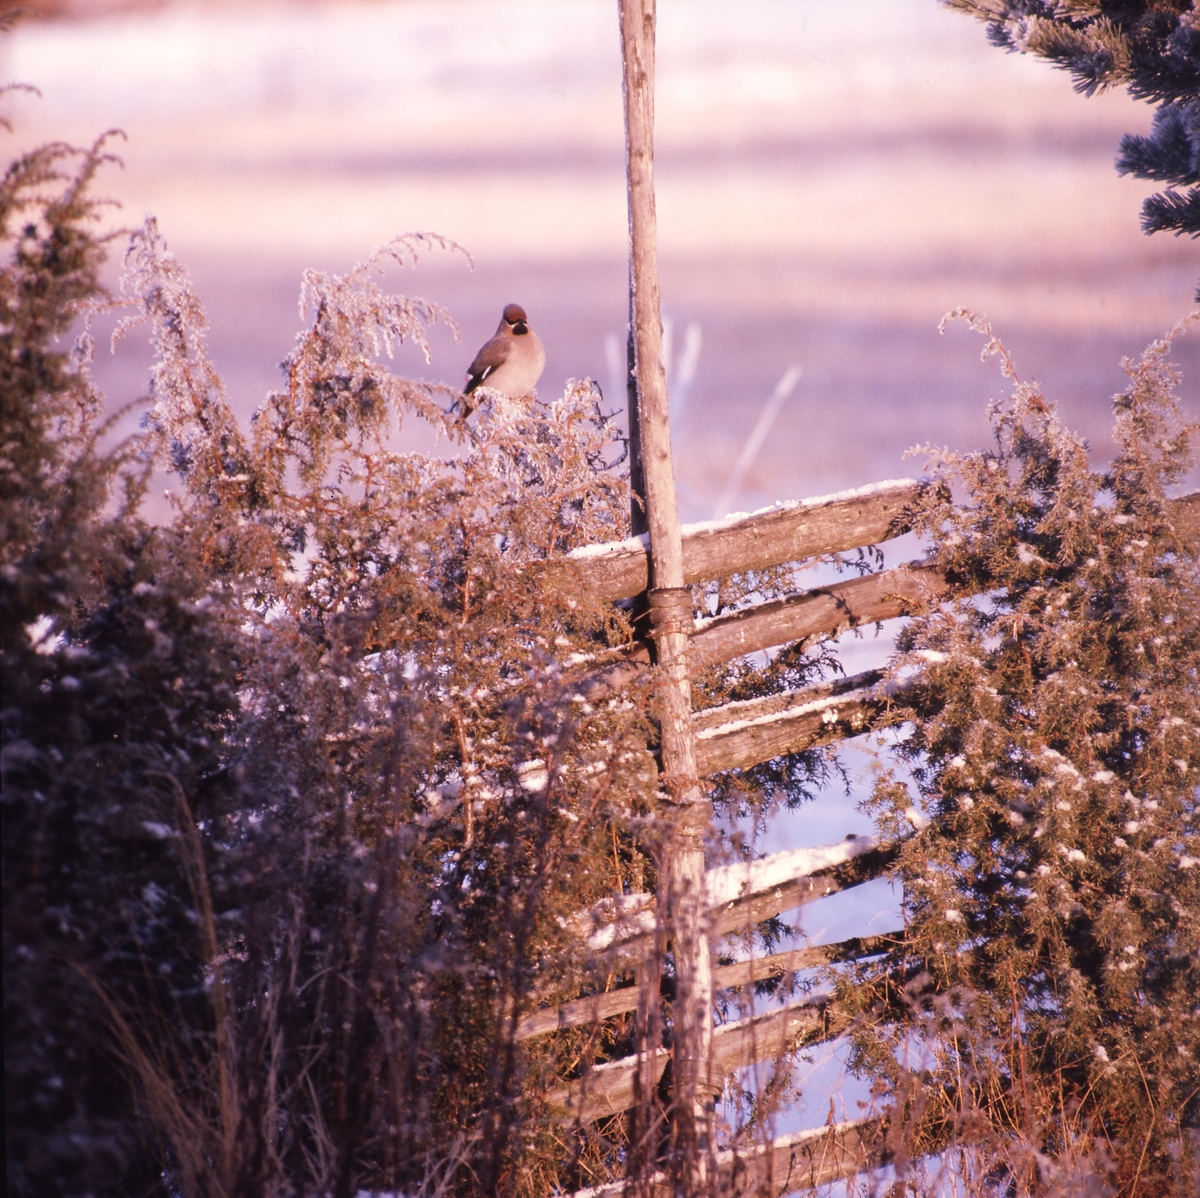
[828, 704]
[42, 636]
[629, 545]
[533, 776]
[702, 527]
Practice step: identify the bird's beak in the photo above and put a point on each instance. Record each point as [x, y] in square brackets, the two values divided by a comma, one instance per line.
[520, 329]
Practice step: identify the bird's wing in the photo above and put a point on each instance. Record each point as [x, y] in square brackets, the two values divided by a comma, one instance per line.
[489, 359]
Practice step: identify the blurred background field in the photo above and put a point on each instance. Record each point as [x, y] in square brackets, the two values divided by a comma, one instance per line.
[831, 180]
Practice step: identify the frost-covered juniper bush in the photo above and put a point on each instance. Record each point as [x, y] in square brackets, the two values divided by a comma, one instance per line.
[1044, 1012]
[298, 795]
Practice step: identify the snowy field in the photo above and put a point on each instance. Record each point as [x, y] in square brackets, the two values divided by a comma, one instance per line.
[831, 180]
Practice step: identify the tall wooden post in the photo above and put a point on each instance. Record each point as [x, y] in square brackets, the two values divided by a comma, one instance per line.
[670, 610]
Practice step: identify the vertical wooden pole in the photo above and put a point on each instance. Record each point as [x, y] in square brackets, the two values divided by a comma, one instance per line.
[670, 622]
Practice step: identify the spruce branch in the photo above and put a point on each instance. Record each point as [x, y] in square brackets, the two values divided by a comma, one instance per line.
[1171, 153]
[1171, 211]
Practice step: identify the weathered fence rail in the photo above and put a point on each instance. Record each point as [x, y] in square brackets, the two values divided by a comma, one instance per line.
[740, 895]
[611, 1088]
[787, 532]
[905, 590]
[739, 735]
[725, 977]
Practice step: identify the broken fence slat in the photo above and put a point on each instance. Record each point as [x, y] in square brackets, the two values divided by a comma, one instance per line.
[618, 1002]
[784, 533]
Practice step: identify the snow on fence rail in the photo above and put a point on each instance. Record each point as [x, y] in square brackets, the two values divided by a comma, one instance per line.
[725, 977]
[904, 590]
[740, 894]
[786, 532]
[611, 1088]
[739, 735]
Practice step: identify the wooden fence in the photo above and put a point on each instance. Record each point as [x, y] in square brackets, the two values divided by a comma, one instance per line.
[737, 736]
[702, 906]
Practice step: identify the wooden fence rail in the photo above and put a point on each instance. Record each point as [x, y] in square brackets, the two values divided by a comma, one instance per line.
[739, 735]
[787, 532]
[905, 590]
[806, 1159]
[902, 591]
[741, 973]
[739, 895]
[611, 1088]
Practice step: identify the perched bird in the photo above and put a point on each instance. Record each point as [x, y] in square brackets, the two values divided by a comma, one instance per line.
[511, 362]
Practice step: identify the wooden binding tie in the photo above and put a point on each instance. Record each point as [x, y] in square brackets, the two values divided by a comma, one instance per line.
[670, 611]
